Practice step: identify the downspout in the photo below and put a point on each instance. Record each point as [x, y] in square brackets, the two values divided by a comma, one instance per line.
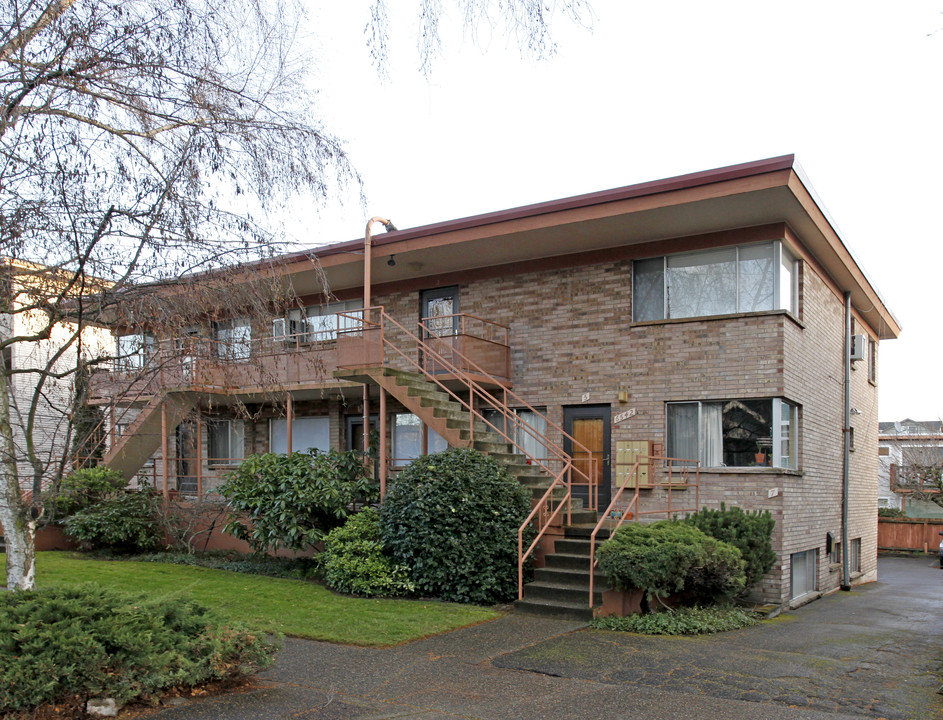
[845, 575]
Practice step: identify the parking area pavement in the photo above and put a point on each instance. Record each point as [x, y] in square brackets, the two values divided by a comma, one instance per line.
[874, 652]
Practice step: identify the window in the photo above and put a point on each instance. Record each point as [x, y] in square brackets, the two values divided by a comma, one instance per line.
[835, 556]
[803, 573]
[527, 433]
[854, 555]
[307, 433]
[872, 360]
[233, 339]
[134, 352]
[226, 441]
[317, 323]
[407, 438]
[747, 278]
[734, 433]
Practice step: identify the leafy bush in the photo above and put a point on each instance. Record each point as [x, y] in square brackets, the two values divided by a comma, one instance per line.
[293, 501]
[354, 560]
[750, 532]
[452, 518]
[890, 513]
[60, 643]
[85, 488]
[129, 522]
[670, 557]
[683, 621]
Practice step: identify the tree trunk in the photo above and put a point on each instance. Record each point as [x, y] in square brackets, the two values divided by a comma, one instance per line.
[19, 533]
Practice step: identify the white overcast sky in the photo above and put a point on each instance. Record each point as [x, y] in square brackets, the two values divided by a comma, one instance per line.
[657, 89]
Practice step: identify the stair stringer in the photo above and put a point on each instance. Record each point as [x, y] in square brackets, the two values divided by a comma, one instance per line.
[143, 436]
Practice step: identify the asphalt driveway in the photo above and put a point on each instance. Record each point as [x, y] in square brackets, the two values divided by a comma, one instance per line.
[874, 652]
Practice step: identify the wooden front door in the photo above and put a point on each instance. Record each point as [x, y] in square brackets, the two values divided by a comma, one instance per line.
[590, 427]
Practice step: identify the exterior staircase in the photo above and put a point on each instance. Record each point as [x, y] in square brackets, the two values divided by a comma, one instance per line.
[561, 589]
[143, 436]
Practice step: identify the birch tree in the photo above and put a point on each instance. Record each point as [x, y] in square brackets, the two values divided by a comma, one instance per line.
[145, 142]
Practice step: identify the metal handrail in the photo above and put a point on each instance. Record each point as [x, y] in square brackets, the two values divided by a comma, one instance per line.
[475, 390]
[632, 507]
[545, 501]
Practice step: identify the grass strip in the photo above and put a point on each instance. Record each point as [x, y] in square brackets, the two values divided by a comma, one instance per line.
[293, 607]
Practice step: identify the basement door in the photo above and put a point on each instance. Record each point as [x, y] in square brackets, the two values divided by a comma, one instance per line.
[590, 426]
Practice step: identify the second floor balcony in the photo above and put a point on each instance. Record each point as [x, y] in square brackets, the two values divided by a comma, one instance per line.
[233, 359]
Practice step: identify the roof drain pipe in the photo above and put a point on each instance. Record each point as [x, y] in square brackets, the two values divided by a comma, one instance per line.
[845, 575]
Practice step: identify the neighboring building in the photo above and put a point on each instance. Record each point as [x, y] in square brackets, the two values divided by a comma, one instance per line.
[700, 317]
[47, 362]
[902, 447]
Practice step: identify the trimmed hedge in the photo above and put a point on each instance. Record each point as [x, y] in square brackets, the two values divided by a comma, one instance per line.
[452, 518]
[355, 561]
[66, 644]
[672, 557]
[750, 532]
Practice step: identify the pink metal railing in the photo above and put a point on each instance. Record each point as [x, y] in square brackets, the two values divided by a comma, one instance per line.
[619, 514]
[456, 366]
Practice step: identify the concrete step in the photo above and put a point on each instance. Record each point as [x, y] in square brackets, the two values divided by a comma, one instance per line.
[550, 608]
[565, 594]
[571, 577]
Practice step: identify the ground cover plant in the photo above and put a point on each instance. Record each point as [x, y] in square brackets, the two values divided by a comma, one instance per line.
[65, 645]
[292, 501]
[292, 607]
[452, 518]
[681, 621]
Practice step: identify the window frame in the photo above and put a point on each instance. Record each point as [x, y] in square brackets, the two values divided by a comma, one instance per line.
[235, 438]
[779, 442]
[782, 256]
[297, 422]
[435, 442]
[230, 345]
[307, 325]
[136, 358]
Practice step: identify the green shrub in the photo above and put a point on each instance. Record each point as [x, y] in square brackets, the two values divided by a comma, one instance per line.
[129, 522]
[672, 557]
[750, 532]
[890, 513]
[683, 621]
[56, 644]
[293, 501]
[85, 488]
[452, 518]
[354, 560]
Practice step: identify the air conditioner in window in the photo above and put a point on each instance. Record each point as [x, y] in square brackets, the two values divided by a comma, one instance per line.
[859, 346]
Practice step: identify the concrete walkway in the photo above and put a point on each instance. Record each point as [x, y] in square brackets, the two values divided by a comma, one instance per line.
[872, 653]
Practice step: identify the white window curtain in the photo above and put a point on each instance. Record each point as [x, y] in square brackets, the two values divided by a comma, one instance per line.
[683, 431]
[407, 438]
[226, 441]
[712, 434]
[529, 437]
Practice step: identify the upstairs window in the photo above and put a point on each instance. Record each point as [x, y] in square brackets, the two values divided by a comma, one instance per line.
[734, 433]
[133, 352]
[317, 323]
[722, 281]
[233, 339]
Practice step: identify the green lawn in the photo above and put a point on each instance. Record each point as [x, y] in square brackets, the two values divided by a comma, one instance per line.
[294, 607]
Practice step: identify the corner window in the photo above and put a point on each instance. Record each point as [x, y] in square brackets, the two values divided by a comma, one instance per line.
[722, 281]
[134, 352]
[225, 442]
[233, 339]
[734, 433]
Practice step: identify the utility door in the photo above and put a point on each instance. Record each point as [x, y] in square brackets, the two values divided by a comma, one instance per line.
[589, 426]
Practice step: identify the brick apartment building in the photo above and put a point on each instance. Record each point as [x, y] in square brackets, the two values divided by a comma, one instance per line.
[700, 317]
